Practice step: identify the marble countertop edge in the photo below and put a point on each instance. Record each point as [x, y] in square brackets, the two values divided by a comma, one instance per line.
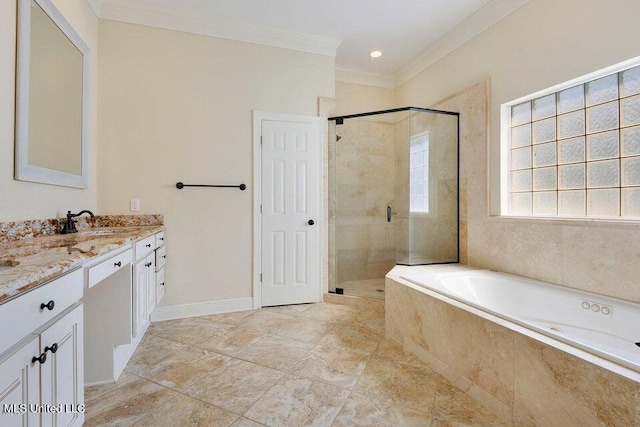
[27, 264]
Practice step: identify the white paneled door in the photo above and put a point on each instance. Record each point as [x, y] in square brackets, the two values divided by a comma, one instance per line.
[290, 211]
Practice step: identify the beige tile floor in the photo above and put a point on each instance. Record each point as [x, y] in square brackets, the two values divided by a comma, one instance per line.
[302, 365]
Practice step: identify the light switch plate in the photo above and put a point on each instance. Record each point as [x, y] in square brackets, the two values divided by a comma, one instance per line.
[135, 205]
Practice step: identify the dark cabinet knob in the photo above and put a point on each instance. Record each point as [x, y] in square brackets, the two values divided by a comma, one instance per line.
[148, 264]
[148, 245]
[311, 222]
[164, 257]
[52, 349]
[41, 359]
[48, 305]
[117, 264]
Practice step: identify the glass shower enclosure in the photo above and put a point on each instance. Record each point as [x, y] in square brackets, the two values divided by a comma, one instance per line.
[393, 195]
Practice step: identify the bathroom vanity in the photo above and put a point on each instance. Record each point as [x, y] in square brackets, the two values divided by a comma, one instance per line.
[73, 308]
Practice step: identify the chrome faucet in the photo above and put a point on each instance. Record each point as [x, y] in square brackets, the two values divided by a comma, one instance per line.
[69, 226]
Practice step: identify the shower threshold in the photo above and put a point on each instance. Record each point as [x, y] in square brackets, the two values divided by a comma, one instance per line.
[368, 288]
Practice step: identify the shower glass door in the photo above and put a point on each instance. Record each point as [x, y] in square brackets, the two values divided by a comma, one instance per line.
[364, 186]
[390, 201]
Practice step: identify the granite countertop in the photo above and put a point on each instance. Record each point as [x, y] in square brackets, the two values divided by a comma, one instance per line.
[28, 263]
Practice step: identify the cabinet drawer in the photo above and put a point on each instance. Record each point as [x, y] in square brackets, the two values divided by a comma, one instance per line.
[161, 257]
[159, 239]
[106, 268]
[23, 315]
[145, 246]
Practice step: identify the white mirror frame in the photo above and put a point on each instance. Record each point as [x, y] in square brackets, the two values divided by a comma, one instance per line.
[23, 170]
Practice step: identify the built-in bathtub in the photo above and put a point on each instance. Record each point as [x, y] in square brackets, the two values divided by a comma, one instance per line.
[491, 335]
[604, 326]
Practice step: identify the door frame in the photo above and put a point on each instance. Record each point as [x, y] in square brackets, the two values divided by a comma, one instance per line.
[258, 117]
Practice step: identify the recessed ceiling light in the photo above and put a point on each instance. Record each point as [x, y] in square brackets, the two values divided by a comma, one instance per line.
[376, 54]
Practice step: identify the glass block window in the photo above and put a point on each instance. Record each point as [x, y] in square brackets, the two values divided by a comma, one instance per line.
[419, 173]
[575, 151]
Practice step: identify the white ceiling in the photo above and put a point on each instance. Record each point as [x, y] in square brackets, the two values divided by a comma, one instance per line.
[401, 29]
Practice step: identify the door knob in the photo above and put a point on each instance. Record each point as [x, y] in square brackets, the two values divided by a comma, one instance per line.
[311, 222]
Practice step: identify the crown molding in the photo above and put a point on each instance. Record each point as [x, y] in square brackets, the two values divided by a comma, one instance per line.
[349, 75]
[482, 19]
[96, 5]
[157, 16]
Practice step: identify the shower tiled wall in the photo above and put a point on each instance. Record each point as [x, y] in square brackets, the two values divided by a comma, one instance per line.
[472, 106]
[365, 180]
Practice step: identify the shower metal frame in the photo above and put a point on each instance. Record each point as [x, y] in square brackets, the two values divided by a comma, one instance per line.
[340, 120]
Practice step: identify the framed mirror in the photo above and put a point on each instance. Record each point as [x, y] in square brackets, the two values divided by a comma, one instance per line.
[51, 98]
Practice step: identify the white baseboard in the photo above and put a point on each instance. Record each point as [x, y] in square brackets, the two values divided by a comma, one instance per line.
[99, 383]
[182, 311]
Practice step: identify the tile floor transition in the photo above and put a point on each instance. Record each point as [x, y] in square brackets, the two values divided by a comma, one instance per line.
[302, 365]
[369, 288]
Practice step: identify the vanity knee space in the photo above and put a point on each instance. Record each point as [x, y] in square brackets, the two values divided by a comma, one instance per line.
[118, 308]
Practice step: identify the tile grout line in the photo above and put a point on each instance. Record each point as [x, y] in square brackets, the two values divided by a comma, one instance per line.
[116, 388]
[284, 373]
[168, 398]
[184, 393]
[271, 367]
[383, 399]
[261, 396]
[332, 326]
[433, 404]
[367, 364]
[422, 365]
[351, 390]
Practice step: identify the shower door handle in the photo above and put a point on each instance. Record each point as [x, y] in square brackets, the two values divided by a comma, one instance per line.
[388, 213]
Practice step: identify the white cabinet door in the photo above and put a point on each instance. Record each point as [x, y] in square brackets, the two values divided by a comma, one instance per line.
[151, 282]
[62, 375]
[159, 285]
[140, 307]
[144, 293]
[20, 386]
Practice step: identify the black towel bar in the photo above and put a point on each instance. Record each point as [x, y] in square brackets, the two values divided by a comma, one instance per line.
[180, 186]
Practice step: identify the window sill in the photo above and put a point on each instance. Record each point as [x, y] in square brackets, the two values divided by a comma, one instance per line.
[595, 222]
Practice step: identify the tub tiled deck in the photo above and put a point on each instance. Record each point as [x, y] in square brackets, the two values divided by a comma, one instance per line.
[520, 378]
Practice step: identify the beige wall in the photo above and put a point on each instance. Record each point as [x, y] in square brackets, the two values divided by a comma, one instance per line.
[542, 44]
[178, 107]
[353, 98]
[25, 200]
